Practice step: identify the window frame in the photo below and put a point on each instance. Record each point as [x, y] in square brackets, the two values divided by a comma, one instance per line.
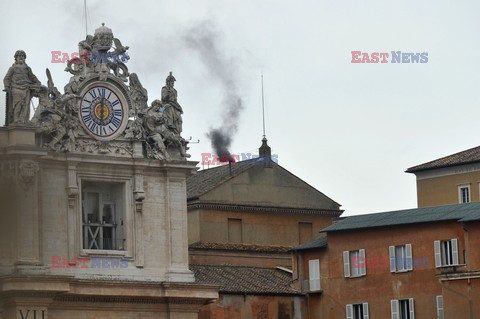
[440, 252]
[407, 260]
[396, 309]
[361, 264]
[350, 310]
[440, 307]
[460, 194]
[128, 220]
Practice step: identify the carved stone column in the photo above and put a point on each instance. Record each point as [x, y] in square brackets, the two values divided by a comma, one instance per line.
[139, 195]
[176, 209]
[27, 211]
[72, 215]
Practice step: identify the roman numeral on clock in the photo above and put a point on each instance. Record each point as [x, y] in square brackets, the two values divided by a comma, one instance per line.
[101, 92]
[87, 118]
[116, 121]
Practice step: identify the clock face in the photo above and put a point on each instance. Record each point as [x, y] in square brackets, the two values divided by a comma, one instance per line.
[103, 112]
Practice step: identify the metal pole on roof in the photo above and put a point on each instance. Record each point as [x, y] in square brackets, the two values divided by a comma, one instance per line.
[263, 109]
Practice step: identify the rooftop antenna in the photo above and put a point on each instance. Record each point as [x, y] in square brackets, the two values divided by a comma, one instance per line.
[263, 110]
[85, 11]
[264, 150]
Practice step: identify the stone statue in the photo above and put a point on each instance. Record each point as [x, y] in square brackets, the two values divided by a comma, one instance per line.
[77, 65]
[163, 124]
[117, 59]
[56, 116]
[19, 83]
[154, 127]
[61, 124]
[85, 48]
[139, 95]
[135, 129]
[172, 110]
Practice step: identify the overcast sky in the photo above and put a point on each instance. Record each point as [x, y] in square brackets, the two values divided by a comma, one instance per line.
[349, 130]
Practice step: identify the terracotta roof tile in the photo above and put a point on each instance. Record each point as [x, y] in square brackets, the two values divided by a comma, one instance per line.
[241, 247]
[207, 179]
[465, 157]
[245, 280]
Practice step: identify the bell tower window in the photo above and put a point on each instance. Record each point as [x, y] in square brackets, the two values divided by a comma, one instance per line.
[103, 216]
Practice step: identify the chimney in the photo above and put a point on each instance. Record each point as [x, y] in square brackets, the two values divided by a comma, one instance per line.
[265, 152]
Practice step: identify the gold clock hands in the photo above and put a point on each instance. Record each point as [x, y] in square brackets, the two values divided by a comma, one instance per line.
[102, 111]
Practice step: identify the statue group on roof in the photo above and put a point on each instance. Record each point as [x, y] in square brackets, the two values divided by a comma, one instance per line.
[57, 118]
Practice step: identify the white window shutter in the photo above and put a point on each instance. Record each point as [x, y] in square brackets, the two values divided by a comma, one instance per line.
[314, 274]
[311, 282]
[408, 255]
[439, 307]
[438, 253]
[412, 308]
[317, 273]
[349, 311]
[455, 251]
[346, 264]
[395, 310]
[363, 262]
[393, 265]
[365, 310]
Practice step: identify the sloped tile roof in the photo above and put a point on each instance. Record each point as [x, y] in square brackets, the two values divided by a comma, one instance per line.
[245, 280]
[239, 247]
[457, 212]
[320, 242]
[465, 157]
[207, 179]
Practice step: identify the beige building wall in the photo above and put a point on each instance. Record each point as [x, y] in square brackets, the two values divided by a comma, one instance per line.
[262, 206]
[258, 228]
[269, 186]
[443, 188]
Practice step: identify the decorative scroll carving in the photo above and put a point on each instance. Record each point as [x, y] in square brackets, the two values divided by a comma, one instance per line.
[27, 171]
[23, 172]
[99, 147]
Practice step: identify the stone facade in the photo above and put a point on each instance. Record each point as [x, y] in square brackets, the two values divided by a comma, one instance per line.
[93, 221]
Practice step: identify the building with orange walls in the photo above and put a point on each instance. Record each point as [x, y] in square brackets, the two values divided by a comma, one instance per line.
[417, 263]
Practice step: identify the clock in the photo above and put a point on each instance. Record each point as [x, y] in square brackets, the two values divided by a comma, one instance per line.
[103, 111]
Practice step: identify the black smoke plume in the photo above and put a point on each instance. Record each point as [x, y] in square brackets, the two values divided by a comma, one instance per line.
[206, 40]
